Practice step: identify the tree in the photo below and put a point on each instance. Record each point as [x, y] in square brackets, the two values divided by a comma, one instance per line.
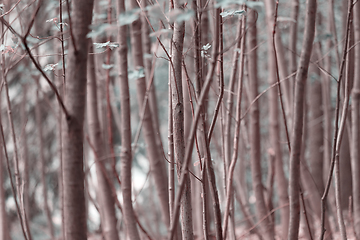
[297, 132]
[355, 95]
[266, 226]
[72, 132]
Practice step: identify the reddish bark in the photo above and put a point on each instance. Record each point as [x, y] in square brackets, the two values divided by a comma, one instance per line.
[266, 226]
[296, 138]
[72, 132]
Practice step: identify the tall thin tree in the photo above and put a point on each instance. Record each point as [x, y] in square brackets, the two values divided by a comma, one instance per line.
[266, 226]
[126, 153]
[297, 132]
[178, 122]
[104, 193]
[274, 128]
[156, 159]
[355, 131]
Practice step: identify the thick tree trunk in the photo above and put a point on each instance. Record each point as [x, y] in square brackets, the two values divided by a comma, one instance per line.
[72, 132]
[296, 138]
[266, 226]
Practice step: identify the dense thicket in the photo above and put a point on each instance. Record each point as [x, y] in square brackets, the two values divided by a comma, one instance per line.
[181, 120]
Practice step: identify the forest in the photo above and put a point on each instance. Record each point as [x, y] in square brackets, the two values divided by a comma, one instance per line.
[179, 119]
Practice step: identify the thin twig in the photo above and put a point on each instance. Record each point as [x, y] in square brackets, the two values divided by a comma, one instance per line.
[278, 78]
[38, 67]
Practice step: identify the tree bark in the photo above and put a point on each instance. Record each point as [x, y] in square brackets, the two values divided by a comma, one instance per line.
[75, 95]
[104, 193]
[25, 158]
[4, 233]
[297, 132]
[266, 226]
[274, 128]
[178, 123]
[355, 131]
[126, 153]
[43, 165]
[292, 48]
[157, 162]
[315, 127]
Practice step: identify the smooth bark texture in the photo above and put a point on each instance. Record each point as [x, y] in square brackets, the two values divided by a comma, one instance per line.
[292, 48]
[25, 158]
[297, 132]
[274, 119]
[126, 150]
[104, 194]
[72, 132]
[355, 137]
[46, 209]
[315, 126]
[4, 233]
[157, 162]
[266, 226]
[3, 215]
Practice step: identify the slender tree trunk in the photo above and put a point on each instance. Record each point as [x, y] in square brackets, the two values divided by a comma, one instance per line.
[25, 158]
[149, 73]
[345, 148]
[327, 108]
[292, 48]
[126, 153]
[72, 132]
[157, 162]
[296, 138]
[315, 126]
[4, 233]
[355, 131]
[274, 131]
[266, 226]
[43, 165]
[178, 123]
[104, 193]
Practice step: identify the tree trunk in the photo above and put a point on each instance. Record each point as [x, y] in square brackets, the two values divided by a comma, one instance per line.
[296, 138]
[25, 158]
[292, 48]
[43, 165]
[72, 132]
[355, 131]
[274, 128]
[266, 226]
[157, 162]
[126, 153]
[315, 126]
[4, 233]
[178, 124]
[104, 193]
